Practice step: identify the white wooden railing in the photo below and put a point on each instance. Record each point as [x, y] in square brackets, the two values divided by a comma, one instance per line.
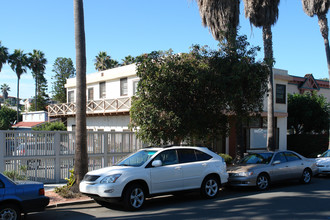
[120, 105]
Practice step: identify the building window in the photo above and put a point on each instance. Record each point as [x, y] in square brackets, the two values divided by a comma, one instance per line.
[102, 90]
[280, 93]
[135, 85]
[71, 97]
[123, 86]
[90, 95]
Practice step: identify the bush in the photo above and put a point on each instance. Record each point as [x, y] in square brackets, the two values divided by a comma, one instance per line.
[14, 175]
[228, 159]
[308, 145]
[65, 191]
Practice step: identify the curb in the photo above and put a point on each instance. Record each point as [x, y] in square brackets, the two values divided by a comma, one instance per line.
[70, 203]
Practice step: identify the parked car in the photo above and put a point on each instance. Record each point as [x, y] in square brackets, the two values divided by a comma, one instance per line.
[323, 163]
[154, 171]
[20, 197]
[261, 169]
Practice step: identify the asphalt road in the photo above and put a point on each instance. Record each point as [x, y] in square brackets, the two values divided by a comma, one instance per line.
[283, 201]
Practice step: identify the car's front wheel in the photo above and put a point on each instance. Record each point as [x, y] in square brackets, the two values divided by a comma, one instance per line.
[134, 197]
[10, 211]
[306, 176]
[210, 187]
[262, 182]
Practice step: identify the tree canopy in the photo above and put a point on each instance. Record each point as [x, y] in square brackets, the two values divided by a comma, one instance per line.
[308, 113]
[182, 97]
[51, 126]
[7, 117]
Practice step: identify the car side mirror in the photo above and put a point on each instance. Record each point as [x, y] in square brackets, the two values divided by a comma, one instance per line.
[276, 162]
[157, 163]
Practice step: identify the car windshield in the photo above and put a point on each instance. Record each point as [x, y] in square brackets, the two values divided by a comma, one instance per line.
[137, 159]
[326, 154]
[257, 158]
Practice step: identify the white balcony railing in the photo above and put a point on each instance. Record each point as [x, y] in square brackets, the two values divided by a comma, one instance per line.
[111, 106]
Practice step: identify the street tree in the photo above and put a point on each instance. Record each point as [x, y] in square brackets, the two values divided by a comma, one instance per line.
[3, 55]
[37, 63]
[42, 97]
[320, 8]
[308, 113]
[5, 89]
[63, 69]
[103, 61]
[18, 62]
[128, 60]
[264, 14]
[7, 117]
[81, 157]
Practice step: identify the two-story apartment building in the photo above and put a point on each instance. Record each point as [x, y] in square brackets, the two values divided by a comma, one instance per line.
[109, 95]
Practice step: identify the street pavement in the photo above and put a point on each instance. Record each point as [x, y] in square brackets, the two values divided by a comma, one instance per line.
[283, 201]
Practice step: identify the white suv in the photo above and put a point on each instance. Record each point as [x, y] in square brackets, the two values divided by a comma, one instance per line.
[152, 171]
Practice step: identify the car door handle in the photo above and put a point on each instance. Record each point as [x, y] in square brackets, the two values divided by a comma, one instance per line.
[178, 168]
[204, 164]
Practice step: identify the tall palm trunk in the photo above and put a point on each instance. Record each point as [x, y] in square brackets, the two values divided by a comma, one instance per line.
[17, 120]
[81, 157]
[268, 51]
[323, 23]
[36, 93]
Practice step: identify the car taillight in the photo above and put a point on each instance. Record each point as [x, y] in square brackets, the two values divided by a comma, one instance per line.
[41, 192]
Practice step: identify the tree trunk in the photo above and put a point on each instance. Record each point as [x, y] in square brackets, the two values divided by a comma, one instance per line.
[81, 157]
[35, 94]
[239, 139]
[17, 120]
[268, 51]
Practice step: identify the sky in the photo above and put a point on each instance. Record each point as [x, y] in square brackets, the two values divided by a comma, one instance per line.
[134, 27]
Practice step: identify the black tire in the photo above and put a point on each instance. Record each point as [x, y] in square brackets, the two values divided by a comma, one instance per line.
[134, 197]
[306, 176]
[10, 211]
[262, 182]
[210, 187]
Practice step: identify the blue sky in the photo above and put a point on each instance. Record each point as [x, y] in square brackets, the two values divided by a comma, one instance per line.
[133, 27]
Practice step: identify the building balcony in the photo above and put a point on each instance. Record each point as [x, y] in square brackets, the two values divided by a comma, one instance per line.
[120, 106]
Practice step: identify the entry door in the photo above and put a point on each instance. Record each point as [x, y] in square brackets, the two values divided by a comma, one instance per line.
[167, 177]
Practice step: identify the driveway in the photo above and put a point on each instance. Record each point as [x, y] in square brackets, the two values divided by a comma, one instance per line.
[283, 201]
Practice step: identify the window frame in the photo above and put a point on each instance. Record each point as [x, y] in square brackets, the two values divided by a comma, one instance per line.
[102, 94]
[123, 87]
[280, 94]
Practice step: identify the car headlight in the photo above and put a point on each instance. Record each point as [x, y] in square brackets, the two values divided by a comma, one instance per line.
[110, 178]
[243, 174]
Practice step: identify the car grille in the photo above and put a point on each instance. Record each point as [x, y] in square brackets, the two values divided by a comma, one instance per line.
[91, 178]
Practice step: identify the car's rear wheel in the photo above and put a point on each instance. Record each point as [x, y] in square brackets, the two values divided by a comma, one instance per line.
[210, 187]
[10, 211]
[306, 176]
[134, 197]
[262, 182]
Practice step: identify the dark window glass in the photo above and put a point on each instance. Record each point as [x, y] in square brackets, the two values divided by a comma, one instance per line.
[186, 155]
[280, 93]
[168, 157]
[291, 156]
[280, 157]
[201, 156]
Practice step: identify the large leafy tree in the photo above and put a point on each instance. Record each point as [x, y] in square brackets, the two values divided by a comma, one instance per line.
[37, 63]
[42, 97]
[3, 55]
[7, 118]
[103, 61]
[63, 69]
[5, 89]
[264, 14]
[81, 157]
[188, 96]
[18, 62]
[320, 8]
[308, 113]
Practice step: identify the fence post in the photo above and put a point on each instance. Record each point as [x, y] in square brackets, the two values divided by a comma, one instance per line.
[2, 151]
[57, 165]
[105, 147]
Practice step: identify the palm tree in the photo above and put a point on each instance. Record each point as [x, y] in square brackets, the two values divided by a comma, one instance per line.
[320, 9]
[264, 14]
[5, 89]
[81, 157]
[3, 55]
[18, 62]
[37, 63]
[103, 61]
[221, 16]
[128, 60]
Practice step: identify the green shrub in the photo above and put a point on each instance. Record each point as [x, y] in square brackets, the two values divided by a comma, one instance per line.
[14, 175]
[65, 191]
[228, 159]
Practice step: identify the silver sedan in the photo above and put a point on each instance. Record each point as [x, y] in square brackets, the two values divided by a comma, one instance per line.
[260, 169]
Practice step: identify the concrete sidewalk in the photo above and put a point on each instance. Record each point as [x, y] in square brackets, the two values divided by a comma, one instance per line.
[51, 187]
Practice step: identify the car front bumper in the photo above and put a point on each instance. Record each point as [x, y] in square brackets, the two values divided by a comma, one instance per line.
[324, 169]
[241, 180]
[109, 190]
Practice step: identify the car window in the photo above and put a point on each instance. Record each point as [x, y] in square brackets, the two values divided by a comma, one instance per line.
[281, 157]
[167, 157]
[326, 154]
[291, 156]
[201, 156]
[255, 158]
[187, 155]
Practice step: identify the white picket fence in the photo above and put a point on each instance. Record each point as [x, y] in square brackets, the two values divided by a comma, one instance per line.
[48, 156]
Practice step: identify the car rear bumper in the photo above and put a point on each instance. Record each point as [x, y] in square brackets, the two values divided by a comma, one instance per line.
[35, 205]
